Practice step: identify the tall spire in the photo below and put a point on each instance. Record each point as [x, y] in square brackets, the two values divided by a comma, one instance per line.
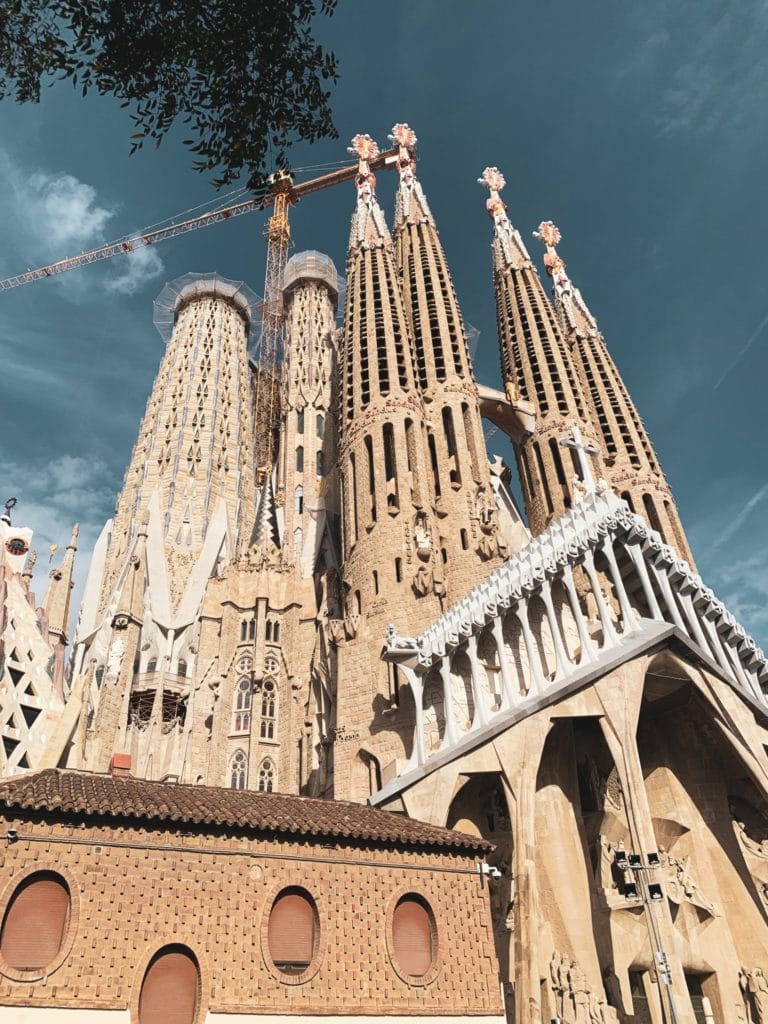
[537, 366]
[57, 601]
[464, 495]
[631, 465]
[386, 499]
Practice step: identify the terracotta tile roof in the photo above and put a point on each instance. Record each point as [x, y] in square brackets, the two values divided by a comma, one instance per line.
[87, 794]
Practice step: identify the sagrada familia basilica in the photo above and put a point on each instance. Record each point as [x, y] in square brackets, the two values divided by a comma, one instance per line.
[349, 734]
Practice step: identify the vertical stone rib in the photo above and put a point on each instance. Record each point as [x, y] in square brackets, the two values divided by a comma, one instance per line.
[536, 366]
[445, 379]
[630, 462]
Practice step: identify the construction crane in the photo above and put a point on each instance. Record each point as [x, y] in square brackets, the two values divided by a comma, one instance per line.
[282, 194]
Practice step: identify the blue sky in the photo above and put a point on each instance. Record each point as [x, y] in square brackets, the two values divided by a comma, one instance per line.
[639, 129]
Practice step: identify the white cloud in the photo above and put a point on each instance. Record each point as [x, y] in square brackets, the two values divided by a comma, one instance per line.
[63, 209]
[137, 269]
[696, 89]
[49, 216]
[738, 521]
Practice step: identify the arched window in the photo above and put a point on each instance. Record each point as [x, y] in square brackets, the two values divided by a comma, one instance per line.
[182, 670]
[320, 426]
[268, 710]
[276, 634]
[300, 421]
[266, 776]
[299, 499]
[244, 695]
[245, 663]
[239, 766]
[170, 991]
[293, 931]
[152, 665]
[269, 630]
[244, 630]
[320, 467]
[413, 936]
[252, 629]
[35, 923]
[300, 459]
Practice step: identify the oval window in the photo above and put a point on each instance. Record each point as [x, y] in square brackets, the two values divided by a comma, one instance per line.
[35, 922]
[169, 992]
[292, 933]
[413, 935]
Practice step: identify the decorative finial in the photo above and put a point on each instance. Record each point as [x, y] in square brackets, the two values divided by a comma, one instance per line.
[405, 137]
[366, 150]
[10, 504]
[494, 181]
[549, 234]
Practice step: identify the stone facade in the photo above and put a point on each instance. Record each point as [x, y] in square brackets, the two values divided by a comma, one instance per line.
[370, 619]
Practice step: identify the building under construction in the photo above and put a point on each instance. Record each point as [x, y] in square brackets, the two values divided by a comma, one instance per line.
[316, 583]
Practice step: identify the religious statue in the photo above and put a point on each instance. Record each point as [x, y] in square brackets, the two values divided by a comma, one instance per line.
[755, 988]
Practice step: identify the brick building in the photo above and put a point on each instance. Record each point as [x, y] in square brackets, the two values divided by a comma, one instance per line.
[127, 900]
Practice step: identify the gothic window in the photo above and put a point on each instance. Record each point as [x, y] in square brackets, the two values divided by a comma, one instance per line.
[268, 709]
[276, 633]
[266, 776]
[269, 630]
[300, 422]
[371, 477]
[320, 426]
[270, 665]
[245, 664]
[152, 665]
[252, 629]
[244, 630]
[300, 459]
[299, 500]
[182, 668]
[239, 765]
[99, 675]
[320, 460]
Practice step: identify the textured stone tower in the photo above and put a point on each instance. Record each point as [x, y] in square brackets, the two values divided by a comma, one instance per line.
[392, 566]
[464, 498]
[185, 499]
[537, 366]
[307, 481]
[631, 465]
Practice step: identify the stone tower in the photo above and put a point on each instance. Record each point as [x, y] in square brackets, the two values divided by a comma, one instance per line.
[467, 515]
[537, 366]
[392, 566]
[307, 487]
[631, 465]
[179, 520]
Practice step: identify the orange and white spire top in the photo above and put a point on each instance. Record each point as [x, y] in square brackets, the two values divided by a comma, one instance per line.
[573, 310]
[511, 251]
[369, 228]
[411, 204]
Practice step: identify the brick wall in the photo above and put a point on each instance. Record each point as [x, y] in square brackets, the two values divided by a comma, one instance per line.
[134, 891]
